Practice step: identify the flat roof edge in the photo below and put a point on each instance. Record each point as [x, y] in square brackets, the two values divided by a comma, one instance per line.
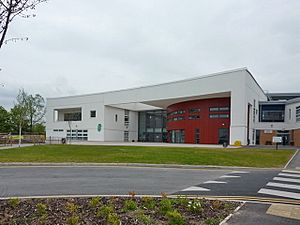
[171, 82]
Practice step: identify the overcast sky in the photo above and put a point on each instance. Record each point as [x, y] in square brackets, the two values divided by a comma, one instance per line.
[78, 47]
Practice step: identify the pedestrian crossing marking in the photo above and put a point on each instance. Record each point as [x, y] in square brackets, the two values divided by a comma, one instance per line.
[279, 193]
[215, 182]
[290, 171]
[289, 186]
[229, 176]
[286, 179]
[289, 175]
[195, 188]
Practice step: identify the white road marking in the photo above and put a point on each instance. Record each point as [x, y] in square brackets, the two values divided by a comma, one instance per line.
[290, 186]
[241, 172]
[287, 179]
[289, 175]
[215, 182]
[290, 171]
[195, 188]
[279, 193]
[229, 176]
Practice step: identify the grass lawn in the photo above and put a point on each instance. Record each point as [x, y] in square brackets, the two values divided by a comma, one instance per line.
[156, 155]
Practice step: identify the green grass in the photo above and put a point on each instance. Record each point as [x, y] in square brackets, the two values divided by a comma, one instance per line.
[159, 155]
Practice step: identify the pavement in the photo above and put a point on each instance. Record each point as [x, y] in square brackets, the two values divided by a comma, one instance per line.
[14, 146]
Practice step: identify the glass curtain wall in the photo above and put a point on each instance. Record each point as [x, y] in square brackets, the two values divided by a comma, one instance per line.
[152, 126]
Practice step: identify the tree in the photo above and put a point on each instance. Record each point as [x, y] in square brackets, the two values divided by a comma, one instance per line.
[36, 109]
[9, 9]
[4, 120]
[20, 111]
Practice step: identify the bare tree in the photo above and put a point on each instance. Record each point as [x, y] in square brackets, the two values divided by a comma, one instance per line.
[9, 9]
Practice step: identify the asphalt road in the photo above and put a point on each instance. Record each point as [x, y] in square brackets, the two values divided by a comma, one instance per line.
[45, 181]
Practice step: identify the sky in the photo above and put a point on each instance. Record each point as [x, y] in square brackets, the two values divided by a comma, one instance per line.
[80, 47]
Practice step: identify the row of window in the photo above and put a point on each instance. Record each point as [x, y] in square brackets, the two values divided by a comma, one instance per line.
[197, 117]
[195, 110]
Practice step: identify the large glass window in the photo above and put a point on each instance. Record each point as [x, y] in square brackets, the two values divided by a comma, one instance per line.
[272, 113]
[76, 116]
[152, 126]
[77, 134]
[177, 136]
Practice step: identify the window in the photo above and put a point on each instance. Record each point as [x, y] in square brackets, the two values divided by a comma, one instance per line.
[116, 118]
[213, 109]
[58, 130]
[222, 116]
[126, 117]
[197, 136]
[194, 117]
[126, 135]
[76, 116]
[77, 134]
[194, 110]
[290, 114]
[298, 113]
[177, 136]
[93, 113]
[219, 109]
[272, 113]
[181, 111]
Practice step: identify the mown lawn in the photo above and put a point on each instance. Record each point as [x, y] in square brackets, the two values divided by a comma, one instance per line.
[154, 155]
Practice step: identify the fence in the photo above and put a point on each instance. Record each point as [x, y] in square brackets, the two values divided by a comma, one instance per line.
[9, 139]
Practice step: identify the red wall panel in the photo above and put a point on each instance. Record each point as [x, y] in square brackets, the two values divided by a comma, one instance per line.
[209, 127]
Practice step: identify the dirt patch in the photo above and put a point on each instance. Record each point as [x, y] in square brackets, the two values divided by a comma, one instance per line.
[114, 211]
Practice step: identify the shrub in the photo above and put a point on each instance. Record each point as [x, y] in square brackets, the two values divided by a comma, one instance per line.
[148, 202]
[71, 207]
[175, 218]
[113, 219]
[195, 206]
[182, 201]
[14, 202]
[142, 218]
[213, 221]
[95, 202]
[165, 205]
[216, 204]
[73, 220]
[131, 194]
[41, 209]
[105, 210]
[129, 205]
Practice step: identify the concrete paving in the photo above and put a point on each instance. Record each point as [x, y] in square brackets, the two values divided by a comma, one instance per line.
[252, 213]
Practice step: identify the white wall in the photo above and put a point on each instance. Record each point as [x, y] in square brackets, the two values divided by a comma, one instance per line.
[239, 83]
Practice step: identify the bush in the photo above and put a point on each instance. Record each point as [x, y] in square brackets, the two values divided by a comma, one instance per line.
[14, 202]
[95, 202]
[71, 207]
[41, 209]
[113, 219]
[165, 205]
[175, 218]
[182, 201]
[148, 202]
[105, 210]
[73, 220]
[129, 205]
[213, 221]
[142, 218]
[195, 206]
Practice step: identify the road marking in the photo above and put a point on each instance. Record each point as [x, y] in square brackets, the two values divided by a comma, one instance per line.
[290, 171]
[290, 186]
[195, 188]
[215, 182]
[229, 176]
[239, 172]
[287, 179]
[279, 193]
[289, 175]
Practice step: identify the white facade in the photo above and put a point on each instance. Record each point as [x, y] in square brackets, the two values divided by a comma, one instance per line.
[111, 107]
